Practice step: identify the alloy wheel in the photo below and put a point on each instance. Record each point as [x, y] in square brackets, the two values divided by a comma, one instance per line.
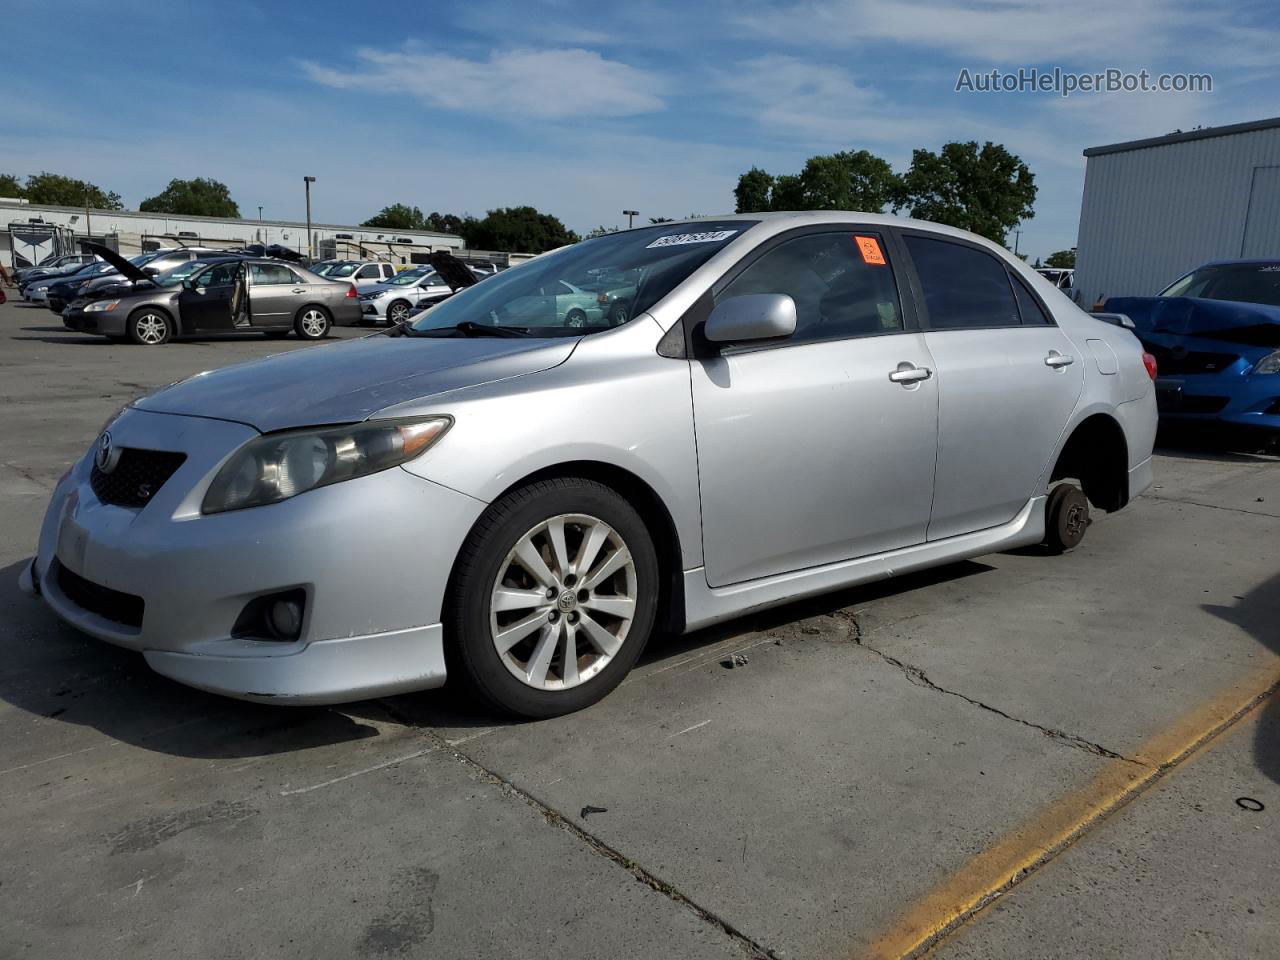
[397, 313]
[563, 602]
[314, 323]
[151, 328]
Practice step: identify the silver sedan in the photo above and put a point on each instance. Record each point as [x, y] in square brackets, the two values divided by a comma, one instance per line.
[795, 403]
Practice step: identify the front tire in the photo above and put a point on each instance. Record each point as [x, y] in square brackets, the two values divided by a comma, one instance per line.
[397, 312]
[149, 327]
[313, 323]
[1066, 517]
[553, 598]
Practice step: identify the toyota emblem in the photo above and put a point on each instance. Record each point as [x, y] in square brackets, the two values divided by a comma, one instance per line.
[107, 456]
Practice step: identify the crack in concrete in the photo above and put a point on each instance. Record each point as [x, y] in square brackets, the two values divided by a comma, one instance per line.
[1209, 506]
[750, 948]
[917, 676]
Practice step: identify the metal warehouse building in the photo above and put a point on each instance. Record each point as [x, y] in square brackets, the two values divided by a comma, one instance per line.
[27, 232]
[1155, 209]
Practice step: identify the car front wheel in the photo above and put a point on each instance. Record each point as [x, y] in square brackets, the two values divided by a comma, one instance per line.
[553, 598]
[398, 312]
[149, 327]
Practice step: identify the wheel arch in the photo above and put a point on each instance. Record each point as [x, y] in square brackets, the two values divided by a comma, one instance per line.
[1096, 452]
[328, 312]
[653, 511]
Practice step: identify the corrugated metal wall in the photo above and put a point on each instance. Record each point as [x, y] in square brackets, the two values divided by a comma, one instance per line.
[1150, 215]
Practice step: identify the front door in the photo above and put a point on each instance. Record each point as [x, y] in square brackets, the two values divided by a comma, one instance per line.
[808, 453]
[1008, 381]
[214, 298]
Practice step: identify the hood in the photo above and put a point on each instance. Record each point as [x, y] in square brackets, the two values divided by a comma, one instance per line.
[347, 382]
[126, 268]
[1249, 324]
[452, 270]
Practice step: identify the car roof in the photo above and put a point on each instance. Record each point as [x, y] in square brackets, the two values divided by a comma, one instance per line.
[1258, 262]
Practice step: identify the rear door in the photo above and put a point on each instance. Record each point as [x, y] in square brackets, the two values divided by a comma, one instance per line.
[1008, 380]
[273, 290]
[808, 452]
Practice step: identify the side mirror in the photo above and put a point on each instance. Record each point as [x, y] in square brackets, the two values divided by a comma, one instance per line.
[151, 271]
[753, 316]
[188, 284]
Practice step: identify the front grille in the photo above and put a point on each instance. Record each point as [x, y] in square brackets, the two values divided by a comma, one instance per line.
[137, 477]
[1179, 361]
[122, 608]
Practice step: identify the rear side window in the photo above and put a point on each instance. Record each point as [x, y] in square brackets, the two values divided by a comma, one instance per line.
[1028, 306]
[963, 286]
[369, 272]
[842, 285]
[270, 273]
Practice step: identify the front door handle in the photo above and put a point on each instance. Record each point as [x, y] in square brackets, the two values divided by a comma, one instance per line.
[298, 290]
[1058, 360]
[909, 373]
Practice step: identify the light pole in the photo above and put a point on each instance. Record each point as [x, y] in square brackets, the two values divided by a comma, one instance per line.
[307, 182]
[261, 233]
[629, 214]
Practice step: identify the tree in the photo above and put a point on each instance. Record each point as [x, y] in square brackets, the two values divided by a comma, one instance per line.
[11, 186]
[987, 190]
[54, 188]
[1063, 258]
[516, 229]
[753, 191]
[200, 197]
[398, 216]
[444, 222]
[600, 231]
[662, 220]
[847, 181]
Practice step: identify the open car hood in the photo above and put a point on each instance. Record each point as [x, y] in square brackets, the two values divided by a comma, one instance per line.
[452, 270]
[1251, 324]
[126, 268]
[348, 382]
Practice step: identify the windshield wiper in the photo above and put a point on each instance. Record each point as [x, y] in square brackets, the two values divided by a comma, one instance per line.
[469, 328]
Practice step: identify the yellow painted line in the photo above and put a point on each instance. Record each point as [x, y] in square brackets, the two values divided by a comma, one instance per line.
[1007, 862]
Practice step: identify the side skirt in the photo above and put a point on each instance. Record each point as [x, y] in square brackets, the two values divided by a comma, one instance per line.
[705, 605]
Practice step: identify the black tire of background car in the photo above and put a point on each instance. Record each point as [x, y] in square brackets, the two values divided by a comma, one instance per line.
[575, 318]
[619, 313]
[297, 323]
[138, 315]
[469, 650]
[1066, 517]
[402, 306]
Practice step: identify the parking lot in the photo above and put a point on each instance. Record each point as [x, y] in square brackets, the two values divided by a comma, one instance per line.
[1015, 756]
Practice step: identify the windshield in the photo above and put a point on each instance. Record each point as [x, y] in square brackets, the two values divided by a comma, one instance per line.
[342, 269]
[1241, 282]
[552, 295]
[179, 273]
[409, 277]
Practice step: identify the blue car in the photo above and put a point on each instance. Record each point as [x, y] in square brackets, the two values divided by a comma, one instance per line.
[1215, 334]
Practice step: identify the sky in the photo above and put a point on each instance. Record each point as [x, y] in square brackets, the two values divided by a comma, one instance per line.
[585, 109]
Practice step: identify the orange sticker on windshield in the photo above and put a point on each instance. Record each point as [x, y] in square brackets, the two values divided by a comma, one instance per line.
[869, 247]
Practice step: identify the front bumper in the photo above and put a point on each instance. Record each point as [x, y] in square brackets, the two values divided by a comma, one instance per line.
[1246, 400]
[109, 323]
[372, 556]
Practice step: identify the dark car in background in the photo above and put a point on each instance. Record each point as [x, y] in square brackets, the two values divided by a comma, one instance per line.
[211, 295]
[59, 291]
[1215, 334]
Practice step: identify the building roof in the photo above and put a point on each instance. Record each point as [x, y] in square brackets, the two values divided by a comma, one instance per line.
[1183, 137]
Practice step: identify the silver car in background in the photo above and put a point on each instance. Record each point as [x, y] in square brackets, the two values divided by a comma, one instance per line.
[393, 301]
[795, 403]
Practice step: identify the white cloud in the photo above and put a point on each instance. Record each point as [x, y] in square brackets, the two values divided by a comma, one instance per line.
[562, 83]
[1019, 31]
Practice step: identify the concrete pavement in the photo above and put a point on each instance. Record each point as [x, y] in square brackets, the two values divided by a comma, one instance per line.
[859, 785]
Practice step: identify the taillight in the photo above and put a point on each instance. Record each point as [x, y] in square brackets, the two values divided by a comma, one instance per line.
[1149, 362]
[351, 291]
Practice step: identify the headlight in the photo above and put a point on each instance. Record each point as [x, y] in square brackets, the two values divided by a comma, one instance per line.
[99, 305]
[41, 289]
[283, 465]
[1268, 364]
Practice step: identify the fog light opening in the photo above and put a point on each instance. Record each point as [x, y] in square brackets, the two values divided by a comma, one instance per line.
[273, 617]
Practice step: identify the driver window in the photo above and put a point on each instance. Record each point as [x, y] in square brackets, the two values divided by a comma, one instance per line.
[219, 275]
[368, 272]
[842, 285]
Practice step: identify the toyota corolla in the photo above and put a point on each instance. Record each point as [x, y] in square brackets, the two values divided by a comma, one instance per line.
[494, 492]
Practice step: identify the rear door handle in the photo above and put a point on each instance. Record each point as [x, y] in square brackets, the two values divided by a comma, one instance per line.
[909, 373]
[1058, 360]
[299, 290]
